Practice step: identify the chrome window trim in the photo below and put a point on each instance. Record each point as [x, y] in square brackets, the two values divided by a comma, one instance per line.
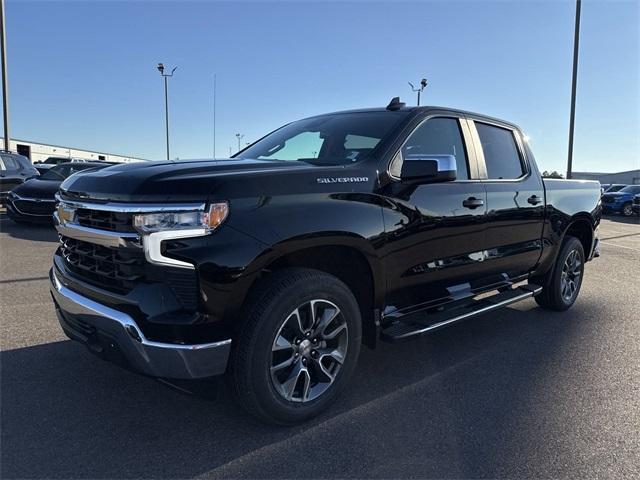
[524, 160]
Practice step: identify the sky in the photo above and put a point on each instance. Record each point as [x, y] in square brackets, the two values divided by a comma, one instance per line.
[83, 73]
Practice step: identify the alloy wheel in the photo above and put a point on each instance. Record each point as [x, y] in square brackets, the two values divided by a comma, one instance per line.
[570, 278]
[308, 351]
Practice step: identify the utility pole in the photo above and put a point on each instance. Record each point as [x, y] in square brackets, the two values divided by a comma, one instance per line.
[423, 84]
[166, 100]
[239, 136]
[5, 82]
[574, 83]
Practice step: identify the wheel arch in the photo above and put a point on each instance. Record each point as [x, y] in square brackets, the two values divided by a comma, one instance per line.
[581, 227]
[351, 259]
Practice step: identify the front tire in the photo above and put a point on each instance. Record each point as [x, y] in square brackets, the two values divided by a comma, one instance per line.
[562, 285]
[627, 209]
[298, 346]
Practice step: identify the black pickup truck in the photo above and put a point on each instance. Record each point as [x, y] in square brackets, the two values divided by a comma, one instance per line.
[274, 266]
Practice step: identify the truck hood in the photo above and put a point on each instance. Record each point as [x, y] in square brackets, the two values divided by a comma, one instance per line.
[182, 181]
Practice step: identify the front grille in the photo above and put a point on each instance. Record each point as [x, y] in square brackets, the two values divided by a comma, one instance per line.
[113, 269]
[34, 208]
[119, 270]
[636, 200]
[105, 220]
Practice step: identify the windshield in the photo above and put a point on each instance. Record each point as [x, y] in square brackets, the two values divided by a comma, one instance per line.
[336, 139]
[615, 188]
[60, 172]
[56, 160]
[631, 189]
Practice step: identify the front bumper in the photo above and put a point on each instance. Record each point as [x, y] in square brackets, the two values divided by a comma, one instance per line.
[115, 336]
[16, 214]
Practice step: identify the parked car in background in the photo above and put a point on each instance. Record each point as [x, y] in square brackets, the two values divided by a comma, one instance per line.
[14, 170]
[34, 200]
[333, 231]
[636, 205]
[620, 201]
[53, 161]
[614, 187]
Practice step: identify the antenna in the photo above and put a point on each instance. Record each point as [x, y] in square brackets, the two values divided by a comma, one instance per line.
[395, 104]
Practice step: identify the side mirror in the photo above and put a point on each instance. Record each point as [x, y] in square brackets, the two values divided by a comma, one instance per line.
[422, 168]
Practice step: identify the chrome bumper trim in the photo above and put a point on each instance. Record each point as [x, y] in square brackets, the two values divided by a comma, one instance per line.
[146, 356]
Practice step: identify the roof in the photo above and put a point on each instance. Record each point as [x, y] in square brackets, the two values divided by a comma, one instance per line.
[418, 109]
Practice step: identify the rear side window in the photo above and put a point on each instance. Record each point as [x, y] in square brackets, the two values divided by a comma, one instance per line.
[501, 154]
[10, 163]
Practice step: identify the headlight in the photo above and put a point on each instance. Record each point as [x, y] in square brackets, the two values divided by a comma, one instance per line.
[162, 221]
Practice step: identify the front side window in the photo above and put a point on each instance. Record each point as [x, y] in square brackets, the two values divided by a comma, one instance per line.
[436, 136]
[335, 139]
[501, 155]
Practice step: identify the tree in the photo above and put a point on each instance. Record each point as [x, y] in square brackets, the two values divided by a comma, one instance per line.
[554, 174]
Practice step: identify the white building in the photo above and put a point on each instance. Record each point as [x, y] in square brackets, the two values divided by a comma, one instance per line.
[39, 152]
[630, 177]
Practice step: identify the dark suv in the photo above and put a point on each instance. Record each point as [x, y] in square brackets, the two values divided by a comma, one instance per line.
[14, 170]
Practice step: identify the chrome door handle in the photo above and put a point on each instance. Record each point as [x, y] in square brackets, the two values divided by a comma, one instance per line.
[473, 202]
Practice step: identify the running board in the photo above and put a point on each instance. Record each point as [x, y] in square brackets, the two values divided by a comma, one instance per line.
[421, 322]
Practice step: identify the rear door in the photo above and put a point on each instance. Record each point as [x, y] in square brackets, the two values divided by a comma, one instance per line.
[515, 199]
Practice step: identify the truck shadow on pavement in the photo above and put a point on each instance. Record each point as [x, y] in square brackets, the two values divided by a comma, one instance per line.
[67, 414]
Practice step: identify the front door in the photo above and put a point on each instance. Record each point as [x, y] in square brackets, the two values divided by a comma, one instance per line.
[433, 232]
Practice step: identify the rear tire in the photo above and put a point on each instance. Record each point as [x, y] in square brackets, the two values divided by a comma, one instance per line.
[627, 209]
[562, 284]
[298, 347]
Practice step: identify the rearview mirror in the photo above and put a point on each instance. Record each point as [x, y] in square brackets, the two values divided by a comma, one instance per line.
[422, 168]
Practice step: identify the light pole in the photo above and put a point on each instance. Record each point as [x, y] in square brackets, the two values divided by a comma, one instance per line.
[166, 100]
[239, 136]
[423, 84]
[5, 84]
[574, 83]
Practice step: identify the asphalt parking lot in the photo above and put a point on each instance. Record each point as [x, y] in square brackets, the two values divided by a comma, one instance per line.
[520, 393]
